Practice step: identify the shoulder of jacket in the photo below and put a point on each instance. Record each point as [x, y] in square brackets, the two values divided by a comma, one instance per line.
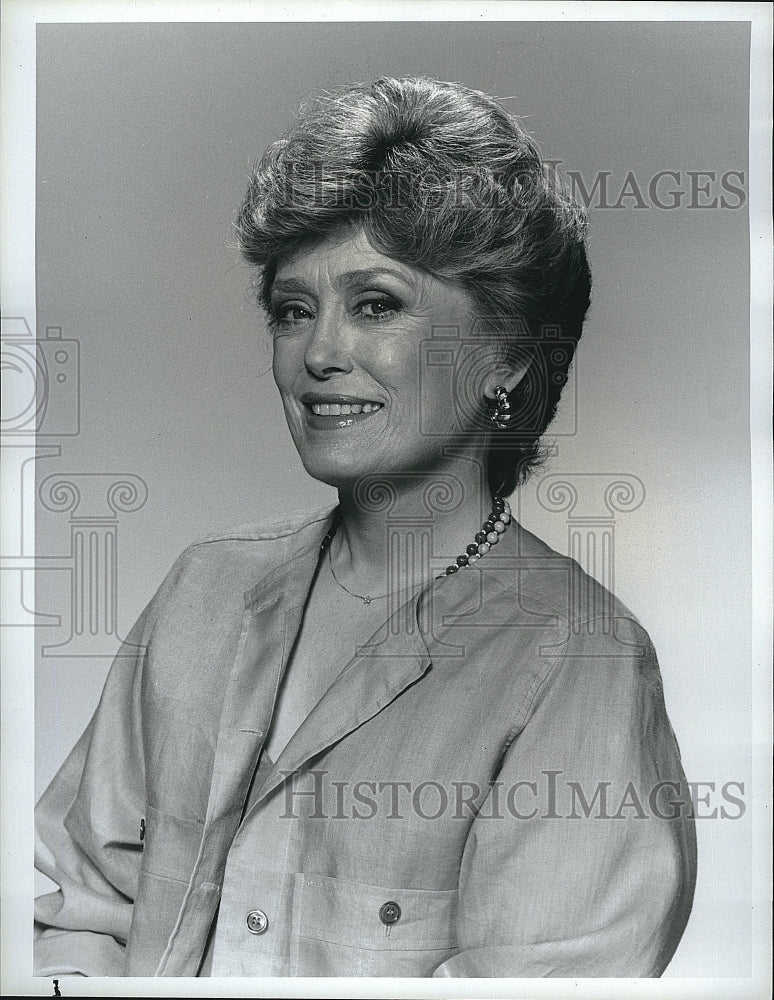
[550, 583]
[268, 529]
[234, 558]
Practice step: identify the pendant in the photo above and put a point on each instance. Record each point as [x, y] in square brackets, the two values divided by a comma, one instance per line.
[367, 599]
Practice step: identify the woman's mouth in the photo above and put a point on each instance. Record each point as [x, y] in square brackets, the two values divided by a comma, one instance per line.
[343, 409]
[334, 414]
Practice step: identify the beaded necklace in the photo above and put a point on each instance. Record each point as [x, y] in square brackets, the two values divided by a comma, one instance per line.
[489, 535]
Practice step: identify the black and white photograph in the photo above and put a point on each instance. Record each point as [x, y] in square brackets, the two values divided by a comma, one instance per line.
[386, 500]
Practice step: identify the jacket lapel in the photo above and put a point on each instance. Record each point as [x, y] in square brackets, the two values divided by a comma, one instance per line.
[396, 657]
[269, 625]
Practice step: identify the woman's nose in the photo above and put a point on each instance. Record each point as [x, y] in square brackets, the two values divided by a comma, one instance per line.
[327, 353]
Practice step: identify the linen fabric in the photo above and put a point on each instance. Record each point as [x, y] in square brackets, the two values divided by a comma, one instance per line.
[496, 760]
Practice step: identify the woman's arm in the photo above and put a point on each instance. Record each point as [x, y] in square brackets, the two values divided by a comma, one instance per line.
[88, 823]
[88, 836]
[595, 882]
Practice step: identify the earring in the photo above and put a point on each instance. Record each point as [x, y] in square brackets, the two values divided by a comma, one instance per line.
[499, 408]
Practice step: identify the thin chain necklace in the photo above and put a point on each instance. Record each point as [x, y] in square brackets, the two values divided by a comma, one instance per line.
[495, 525]
[365, 598]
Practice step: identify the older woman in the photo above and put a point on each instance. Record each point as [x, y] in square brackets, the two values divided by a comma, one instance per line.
[402, 736]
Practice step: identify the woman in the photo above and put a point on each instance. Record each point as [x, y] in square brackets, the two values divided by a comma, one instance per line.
[390, 738]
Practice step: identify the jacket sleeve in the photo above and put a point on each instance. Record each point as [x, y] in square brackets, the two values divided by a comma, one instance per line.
[573, 866]
[88, 826]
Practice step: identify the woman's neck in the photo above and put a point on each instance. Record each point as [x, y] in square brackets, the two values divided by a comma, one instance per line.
[400, 532]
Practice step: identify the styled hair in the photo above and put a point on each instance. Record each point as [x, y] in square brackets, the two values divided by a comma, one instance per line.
[442, 178]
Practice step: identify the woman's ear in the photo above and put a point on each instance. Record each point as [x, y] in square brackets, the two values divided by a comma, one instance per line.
[508, 375]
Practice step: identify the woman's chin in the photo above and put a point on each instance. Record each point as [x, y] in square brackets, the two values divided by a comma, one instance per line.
[343, 475]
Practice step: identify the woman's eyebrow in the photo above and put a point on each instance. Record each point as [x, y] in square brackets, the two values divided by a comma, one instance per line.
[366, 274]
[358, 276]
[289, 285]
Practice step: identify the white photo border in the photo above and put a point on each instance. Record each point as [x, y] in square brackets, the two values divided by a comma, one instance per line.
[17, 249]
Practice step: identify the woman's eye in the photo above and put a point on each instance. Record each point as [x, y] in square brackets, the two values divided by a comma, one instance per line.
[290, 312]
[381, 307]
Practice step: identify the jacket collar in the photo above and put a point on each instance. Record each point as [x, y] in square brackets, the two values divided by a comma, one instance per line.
[297, 569]
[396, 657]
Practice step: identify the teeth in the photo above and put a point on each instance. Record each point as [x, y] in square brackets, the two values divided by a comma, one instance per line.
[343, 409]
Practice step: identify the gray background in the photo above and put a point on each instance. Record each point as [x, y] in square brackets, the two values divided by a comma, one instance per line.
[145, 134]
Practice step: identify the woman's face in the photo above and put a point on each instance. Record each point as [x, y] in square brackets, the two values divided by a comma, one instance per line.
[349, 361]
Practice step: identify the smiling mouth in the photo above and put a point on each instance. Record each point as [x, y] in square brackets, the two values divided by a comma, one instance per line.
[335, 414]
[342, 409]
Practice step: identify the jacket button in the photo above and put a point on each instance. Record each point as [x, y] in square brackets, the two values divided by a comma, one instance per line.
[257, 921]
[389, 913]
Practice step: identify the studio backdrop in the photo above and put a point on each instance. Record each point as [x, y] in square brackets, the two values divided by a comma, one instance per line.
[162, 422]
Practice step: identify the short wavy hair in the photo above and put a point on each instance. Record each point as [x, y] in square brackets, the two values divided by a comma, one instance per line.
[442, 178]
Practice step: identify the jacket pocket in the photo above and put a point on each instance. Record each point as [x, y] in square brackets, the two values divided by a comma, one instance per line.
[170, 848]
[171, 845]
[346, 928]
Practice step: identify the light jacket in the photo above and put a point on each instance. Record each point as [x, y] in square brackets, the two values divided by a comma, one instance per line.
[496, 764]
